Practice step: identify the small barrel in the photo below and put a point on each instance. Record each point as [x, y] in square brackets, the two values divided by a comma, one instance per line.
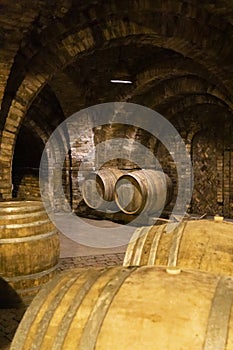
[197, 244]
[130, 308]
[146, 191]
[98, 188]
[29, 247]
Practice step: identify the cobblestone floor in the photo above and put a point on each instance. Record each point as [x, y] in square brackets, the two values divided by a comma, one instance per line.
[10, 318]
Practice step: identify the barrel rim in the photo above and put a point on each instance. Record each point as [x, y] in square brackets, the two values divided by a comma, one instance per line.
[144, 198]
[141, 178]
[83, 189]
[106, 179]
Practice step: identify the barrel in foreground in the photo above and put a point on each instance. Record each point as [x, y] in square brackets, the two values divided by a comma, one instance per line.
[130, 308]
[197, 244]
[29, 247]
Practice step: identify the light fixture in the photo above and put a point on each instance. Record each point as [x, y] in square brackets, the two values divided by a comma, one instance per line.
[120, 81]
[121, 75]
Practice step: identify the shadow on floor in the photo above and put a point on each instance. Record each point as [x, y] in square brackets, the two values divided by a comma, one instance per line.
[11, 312]
[8, 296]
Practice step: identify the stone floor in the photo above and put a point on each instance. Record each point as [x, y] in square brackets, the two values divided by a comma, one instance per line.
[76, 254]
[85, 237]
[73, 254]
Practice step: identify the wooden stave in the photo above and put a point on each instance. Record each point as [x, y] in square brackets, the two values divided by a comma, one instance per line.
[207, 248]
[43, 251]
[21, 230]
[106, 179]
[18, 217]
[19, 206]
[22, 218]
[18, 241]
[189, 321]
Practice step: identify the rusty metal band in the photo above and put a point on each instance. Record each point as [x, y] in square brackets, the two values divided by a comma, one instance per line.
[27, 238]
[218, 323]
[155, 245]
[131, 247]
[100, 309]
[175, 245]
[140, 246]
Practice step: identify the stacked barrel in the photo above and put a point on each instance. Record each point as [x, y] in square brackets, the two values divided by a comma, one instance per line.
[143, 191]
[98, 188]
[134, 192]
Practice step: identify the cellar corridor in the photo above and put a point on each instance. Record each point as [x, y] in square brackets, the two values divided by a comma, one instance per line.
[116, 174]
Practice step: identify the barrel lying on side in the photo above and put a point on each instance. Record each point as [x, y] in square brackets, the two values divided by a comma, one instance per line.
[130, 308]
[98, 188]
[29, 247]
[197, 244]
[143, 190]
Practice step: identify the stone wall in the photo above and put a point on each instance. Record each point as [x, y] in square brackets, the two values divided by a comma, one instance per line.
[57, 58]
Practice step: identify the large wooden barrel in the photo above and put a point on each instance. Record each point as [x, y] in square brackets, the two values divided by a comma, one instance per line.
[98, 188]
[143, 190]
[130, 308]
[197, 244]
[29, 247]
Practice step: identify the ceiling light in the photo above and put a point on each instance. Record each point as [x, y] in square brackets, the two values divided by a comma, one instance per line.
[119, 81]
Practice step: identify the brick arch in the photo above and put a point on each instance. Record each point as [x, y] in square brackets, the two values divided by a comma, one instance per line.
[186, 118]
[178, 109]
[37, 129]
[46, 110]
[186, 101]
[196, 24]
[189, 113]
[168, 82]
[197, 93]
[49, 61]
[148, 78]
[42, 130]
[203, 16]
[41, 117]
[76, 43]
[44, 114]
[171, 89]
[171, 18]
[116, 29]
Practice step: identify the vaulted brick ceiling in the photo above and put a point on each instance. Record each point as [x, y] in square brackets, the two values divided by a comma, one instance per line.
[178, 53]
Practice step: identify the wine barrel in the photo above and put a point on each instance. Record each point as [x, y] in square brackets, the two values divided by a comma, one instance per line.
[130, 308]
[98, 188]
[197, 244]
[29, 247]
[143, 190]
